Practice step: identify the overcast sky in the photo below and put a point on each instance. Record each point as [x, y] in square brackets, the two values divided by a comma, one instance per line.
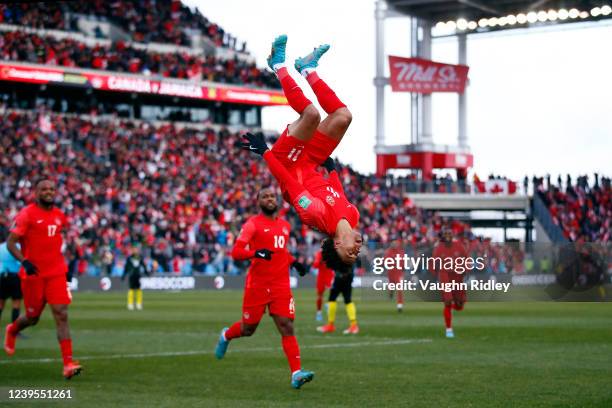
[539, 101]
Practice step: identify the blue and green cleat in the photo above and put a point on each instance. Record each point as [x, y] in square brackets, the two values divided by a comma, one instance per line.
[311, 60]
[277, 54]
[222, 344]
[300, 378]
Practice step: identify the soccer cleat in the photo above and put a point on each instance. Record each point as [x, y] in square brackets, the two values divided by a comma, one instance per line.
[328, 328]
[300, 378]
[450, 334]
[400, 307]
[222, 344]
[138, 306]
[9, 341]
[353, 329]
[277, 54]
[319, 317]
[130, 306]
[311, 61]
[71, 369]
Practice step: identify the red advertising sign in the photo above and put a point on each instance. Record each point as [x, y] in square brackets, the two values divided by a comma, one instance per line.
[424, 76]
[108, 81]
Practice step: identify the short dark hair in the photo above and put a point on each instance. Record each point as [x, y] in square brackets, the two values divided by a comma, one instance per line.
[331, 258]
[40, 179]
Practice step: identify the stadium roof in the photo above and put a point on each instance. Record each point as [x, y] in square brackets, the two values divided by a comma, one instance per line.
[491, 15]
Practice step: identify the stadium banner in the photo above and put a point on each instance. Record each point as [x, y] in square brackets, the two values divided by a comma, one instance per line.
[481, 269]
[424, 76]
[120, 82]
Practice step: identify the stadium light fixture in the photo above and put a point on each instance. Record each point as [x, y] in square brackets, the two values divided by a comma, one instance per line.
[451, 25]
[493, 21]
[584, 14]
[552, 15]
[502, 21]
[595, 11]
[472, 25]
[483, 22]
[563, 14]
[574, 13]
[441, 25]
[511, 19]
[532, 17]
[462, 24]
[542, 16]
[521, 18]
[606, 10]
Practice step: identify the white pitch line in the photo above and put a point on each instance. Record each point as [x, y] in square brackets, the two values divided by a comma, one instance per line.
[205, 352]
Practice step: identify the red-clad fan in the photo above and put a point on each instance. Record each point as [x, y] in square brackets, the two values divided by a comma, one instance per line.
[263, 239]
[454, 299]
[325, 279]
[396, 275]
[38, 228]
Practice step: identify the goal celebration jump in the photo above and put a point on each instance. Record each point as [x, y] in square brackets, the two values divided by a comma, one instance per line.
[305, 145]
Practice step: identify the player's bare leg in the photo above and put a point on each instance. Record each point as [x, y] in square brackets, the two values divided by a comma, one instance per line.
[303, 128]
[13, 329]
[291, 348]
[236, 330]
[60, 314]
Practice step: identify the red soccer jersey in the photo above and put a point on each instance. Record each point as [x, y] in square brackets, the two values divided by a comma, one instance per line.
[320, 203]
[40, 237]
[325, 273]
[455, 250]
[261, 232]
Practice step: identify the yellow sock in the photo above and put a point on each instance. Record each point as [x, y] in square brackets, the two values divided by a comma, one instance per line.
[351, 312]
[331, 312]
[130, 296]
[139, 296]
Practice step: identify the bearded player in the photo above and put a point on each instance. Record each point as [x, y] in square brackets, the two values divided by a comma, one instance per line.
[455, 299]
[304, 145]
[37, 228]
[325, 278]
[263, 239]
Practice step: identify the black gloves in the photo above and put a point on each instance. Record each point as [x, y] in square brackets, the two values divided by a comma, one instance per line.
[263, 254]
[29, 267]
[300, 268]
[254, 143]
[329, 164]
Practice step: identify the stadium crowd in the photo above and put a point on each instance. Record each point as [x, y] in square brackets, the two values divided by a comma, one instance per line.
[582, 210]
[121, 57]
[165, 21]
[180, 193]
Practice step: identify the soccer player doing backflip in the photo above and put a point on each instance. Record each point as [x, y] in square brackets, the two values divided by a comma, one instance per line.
[306, 144]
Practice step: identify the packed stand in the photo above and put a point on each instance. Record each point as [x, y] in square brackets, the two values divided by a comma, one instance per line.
[120, 57]
[583, 210]
[146, 21]
[182, 194]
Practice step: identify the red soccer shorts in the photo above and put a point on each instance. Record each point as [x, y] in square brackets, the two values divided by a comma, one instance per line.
[294, 153]
[454, 295]
[38, 291]
[396, 276]
[324, 281]
[278, 301]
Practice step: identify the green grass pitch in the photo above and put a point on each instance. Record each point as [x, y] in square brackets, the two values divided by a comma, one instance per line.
[516, 354]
